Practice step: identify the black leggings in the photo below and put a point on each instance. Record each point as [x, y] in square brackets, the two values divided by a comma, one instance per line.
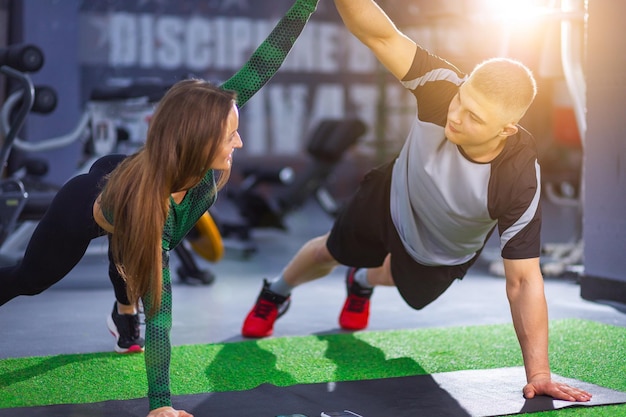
[61, 238]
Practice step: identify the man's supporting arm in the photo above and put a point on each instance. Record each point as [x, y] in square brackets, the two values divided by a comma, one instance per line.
[525, 291]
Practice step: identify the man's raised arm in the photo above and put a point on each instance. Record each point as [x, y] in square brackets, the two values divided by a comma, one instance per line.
[371, 25]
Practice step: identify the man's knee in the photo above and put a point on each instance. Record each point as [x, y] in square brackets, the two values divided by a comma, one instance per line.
[417, 304]
[320, 251]
[418, 299]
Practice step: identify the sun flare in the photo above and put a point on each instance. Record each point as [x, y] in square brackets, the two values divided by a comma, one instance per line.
[516, 10]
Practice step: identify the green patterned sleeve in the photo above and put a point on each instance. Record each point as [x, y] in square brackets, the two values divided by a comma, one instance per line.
[259, 69]
[158, 346]
[270, 55]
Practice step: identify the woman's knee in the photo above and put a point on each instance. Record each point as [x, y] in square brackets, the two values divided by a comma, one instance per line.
[106, 163]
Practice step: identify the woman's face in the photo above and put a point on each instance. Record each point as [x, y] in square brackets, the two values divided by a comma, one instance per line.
[231, 140]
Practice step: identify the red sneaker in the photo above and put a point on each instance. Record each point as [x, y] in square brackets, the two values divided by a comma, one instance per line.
[268, 308]
[356, 310]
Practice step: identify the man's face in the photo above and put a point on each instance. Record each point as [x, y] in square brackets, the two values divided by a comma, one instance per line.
[473, 120]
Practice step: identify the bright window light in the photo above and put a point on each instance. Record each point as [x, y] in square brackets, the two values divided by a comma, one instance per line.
[515, 10]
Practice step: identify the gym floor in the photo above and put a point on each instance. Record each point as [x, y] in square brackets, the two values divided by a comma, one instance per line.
[70, 316]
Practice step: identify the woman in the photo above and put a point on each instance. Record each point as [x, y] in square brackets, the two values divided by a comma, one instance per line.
[171, 181]
[181, 172]
[148, 202]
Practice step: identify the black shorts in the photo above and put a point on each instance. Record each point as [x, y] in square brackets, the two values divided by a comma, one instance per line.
[363, 235]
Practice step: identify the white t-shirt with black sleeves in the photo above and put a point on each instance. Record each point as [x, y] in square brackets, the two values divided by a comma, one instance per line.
[443, 204]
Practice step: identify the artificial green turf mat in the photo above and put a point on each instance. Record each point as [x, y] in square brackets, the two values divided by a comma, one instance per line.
[585, 350]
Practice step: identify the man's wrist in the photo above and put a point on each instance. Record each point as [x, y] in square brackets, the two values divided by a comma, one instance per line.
[539, 376]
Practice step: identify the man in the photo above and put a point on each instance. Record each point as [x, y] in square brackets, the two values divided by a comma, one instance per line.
[421, 221]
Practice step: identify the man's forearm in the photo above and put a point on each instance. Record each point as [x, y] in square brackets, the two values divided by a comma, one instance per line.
[524, 288]
[369, 23]
[365, 20]
[530, 319]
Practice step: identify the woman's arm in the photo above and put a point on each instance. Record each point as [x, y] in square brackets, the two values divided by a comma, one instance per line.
[270, 55]
[158, 346]
[259, 69]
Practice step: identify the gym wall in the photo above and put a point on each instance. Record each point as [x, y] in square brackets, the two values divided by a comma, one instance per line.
[604, 166]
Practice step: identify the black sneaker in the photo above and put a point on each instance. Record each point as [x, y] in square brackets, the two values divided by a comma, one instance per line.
[125, 329]
[268, 308]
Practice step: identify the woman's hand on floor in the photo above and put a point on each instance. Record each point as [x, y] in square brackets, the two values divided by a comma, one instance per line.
[168, 412]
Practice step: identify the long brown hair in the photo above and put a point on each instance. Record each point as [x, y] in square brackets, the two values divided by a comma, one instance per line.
[183, 138]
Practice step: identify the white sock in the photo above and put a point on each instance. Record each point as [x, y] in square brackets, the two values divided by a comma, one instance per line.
[280, 287]
[361, 278]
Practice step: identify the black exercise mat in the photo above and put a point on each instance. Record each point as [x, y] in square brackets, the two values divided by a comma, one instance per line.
[479, 393]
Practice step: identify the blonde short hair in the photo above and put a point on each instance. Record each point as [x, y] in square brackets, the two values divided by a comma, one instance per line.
[508, 82]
